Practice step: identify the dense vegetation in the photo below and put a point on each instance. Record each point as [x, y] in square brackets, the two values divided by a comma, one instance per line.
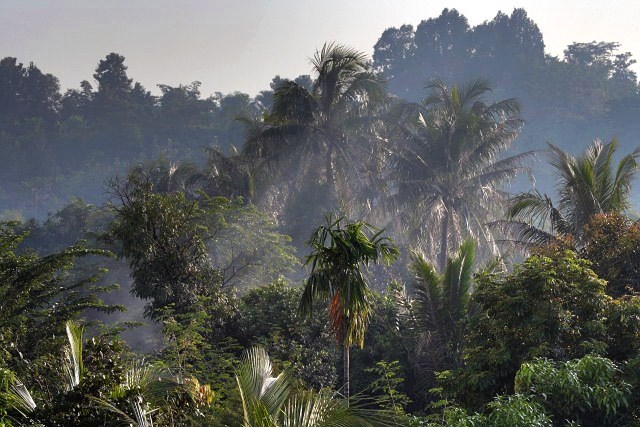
[240, 231]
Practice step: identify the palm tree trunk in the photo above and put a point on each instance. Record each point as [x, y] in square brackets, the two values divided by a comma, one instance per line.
[330, 178]
[345, 355]
[329, 166]
[444, 243]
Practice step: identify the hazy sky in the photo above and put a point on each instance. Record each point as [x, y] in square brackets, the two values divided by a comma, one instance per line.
[240, 45]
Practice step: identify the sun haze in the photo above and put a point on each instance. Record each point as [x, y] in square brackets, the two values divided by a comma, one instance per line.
[240, 46]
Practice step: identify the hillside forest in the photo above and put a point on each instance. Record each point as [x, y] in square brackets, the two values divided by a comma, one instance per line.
[442, 232]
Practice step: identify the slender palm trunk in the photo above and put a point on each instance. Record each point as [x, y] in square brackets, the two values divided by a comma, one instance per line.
[444, 243]
[345, 355]
[329, 175]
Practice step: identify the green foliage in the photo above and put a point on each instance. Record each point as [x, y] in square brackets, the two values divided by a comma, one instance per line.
[586, 391]
[552, 306]
[108, 381]
[631, 375]
[201, 346]
[270, 401]
[184, 334]
[75, 221]
[63, 401]
[268, 316]
[442, 308]
[163, 237]
[247, 246]
[516, 411]
[503, 411]
[387, 383]
[181, 248]
[589, 391]
[389, 339]
[623, 328]
[612, 244]
[40, 294]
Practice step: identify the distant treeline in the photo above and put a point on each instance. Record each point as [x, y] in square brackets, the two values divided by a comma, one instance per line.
[56, 144]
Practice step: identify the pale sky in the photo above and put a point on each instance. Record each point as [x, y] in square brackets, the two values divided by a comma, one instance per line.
[241, 45]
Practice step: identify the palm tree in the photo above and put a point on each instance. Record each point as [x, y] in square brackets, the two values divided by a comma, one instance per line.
[133, 401]
[17, 397]
[339, 253]
[447, 174]
[331, 124]
[226, 176]
[587, 185]
[441, 309]
[270, 401]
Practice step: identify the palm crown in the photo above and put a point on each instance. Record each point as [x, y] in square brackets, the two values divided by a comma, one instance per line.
[331, 123]
[587, 185]
[447, 174]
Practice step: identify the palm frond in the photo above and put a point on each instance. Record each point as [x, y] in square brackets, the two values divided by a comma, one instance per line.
[625, 174]
[472, 91]
[325, 409]
[428, 293]
[293, 104]
[457, 279]
[19, 398]
[524, 234]
[73, 365]
[260, 391]
[105, 405]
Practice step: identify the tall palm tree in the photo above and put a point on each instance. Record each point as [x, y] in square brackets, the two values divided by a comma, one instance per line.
[270, 401]
[340, 253]
[447, 172]
[589, 184]
[328, 127]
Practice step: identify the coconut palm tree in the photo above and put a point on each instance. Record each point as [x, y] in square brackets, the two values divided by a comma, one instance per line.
[589, 184]
[271, 402]
[324, 132]
[340, 253]
[447, 173]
